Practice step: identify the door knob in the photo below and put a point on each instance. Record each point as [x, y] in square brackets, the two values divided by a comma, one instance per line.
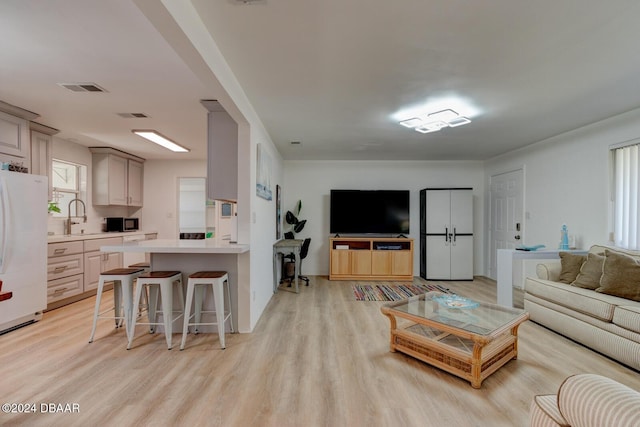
[517, 237]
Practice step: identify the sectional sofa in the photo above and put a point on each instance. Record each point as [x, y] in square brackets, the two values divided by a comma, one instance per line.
[592, 299]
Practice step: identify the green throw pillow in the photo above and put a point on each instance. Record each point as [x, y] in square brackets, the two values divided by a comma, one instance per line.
[620, 276]
[571, 264]
[590, 272]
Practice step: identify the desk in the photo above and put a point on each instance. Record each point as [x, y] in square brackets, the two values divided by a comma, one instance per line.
[285, 247]
[505, 268]
[189, 256]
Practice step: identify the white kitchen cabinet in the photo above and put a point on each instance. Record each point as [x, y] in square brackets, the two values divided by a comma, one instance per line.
[95, 262]
[65, 268]
[117, 178]
[14, 136]
[41, 149]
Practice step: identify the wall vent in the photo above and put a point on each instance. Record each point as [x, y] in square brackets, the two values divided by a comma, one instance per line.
[296, 142]
[82, 87]
[133, 115]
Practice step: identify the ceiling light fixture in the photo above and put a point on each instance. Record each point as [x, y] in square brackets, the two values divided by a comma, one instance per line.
[163, 141]
[433, 122]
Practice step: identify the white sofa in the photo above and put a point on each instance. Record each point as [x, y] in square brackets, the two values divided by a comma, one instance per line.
[587, 400]
[606, 323]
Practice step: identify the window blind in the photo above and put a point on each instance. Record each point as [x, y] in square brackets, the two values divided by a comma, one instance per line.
[627, 200]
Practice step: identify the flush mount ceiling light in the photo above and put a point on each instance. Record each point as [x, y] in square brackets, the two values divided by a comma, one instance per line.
[433, 122]
[165, 142]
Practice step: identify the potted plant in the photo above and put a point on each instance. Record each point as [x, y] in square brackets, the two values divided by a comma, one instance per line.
[296, 224]
[53, 207]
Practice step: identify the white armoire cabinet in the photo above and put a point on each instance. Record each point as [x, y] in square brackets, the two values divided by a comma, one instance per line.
[446, 233]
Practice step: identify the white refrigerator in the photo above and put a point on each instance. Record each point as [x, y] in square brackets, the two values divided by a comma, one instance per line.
[446, 233]
[23, 248]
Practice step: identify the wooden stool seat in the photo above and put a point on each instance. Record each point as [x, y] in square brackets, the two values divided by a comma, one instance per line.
[122, 279]
[121, 271]
[159, 274]
[207, 275]
[140, 265]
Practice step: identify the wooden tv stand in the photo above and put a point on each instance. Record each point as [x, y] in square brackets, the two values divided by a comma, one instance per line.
[370, 258]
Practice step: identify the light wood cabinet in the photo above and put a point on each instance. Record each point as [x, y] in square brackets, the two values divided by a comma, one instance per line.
[65, 270]
[41, 149]
[117, 178]
[371, 259]
[14, 136]
[96, 262]
[73, 269]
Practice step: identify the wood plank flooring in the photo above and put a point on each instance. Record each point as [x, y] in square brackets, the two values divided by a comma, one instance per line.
[318, 358]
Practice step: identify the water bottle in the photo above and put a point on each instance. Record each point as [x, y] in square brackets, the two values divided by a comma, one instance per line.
[564, 238]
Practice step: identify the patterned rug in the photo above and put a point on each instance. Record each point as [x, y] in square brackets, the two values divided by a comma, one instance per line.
[395, 292]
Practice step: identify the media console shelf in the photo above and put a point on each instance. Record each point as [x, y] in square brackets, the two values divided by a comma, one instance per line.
[370, 258]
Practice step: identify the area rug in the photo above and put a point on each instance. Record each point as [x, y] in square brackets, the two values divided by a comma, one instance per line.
[395, 292]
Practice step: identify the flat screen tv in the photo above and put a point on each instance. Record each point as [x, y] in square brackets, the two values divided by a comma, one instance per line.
[369, 212]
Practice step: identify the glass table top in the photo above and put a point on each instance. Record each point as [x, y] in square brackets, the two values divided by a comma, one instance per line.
[459, 312]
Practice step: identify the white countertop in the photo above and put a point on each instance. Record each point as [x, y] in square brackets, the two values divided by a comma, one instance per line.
[56, 238]
[204, 246]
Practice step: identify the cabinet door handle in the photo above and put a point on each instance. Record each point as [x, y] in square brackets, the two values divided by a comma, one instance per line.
[60, 269]
[59, 291]
[59, 251]
[446, 234]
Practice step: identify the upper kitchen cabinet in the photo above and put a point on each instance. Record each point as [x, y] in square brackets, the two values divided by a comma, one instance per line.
[14, 132]
[222, 153]
[41, 146]
[117, 177]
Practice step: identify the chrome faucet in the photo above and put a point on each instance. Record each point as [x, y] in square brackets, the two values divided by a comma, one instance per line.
[68, 222]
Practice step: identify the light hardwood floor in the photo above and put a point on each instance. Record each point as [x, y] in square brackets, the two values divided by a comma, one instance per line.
[318, 358]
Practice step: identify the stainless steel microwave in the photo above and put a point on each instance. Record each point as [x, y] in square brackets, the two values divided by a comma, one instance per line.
[119, 223]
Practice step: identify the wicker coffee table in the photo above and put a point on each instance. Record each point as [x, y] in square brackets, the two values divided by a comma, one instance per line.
[465, 338]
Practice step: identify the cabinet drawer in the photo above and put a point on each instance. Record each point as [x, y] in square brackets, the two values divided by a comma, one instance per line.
[64, 248]
[94, 244]
[64, 266]
[64, 288]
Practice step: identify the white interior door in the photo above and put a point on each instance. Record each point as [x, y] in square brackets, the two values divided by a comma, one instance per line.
[507, 225]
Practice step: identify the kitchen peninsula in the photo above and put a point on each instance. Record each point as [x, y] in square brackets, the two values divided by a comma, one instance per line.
[190, 256]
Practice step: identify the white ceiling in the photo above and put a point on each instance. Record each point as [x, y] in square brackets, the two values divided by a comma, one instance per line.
[332, 74]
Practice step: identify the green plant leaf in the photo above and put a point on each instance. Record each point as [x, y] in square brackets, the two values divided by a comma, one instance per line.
[299, 208]
[290, 218]
[299, 226]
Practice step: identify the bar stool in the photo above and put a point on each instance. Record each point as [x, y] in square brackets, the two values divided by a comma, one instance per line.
[162, 282]
[197, 284]
[122, 279]
[144, 304]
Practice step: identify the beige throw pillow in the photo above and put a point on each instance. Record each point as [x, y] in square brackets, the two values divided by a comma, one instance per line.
[571, 264]
[620, 276]
[590, 272]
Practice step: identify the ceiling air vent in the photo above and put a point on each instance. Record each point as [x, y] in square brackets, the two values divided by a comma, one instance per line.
[82, 87]
[133, 115]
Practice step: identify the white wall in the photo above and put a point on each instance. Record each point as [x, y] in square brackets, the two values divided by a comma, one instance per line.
[263, 226]
[161, 193]
[567, 182]
[311, 182]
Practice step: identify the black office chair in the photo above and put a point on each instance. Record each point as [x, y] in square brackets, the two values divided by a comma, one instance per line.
[304, 251]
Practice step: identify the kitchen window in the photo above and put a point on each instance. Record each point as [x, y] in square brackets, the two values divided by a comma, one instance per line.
[626, 181]
[69, 181]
